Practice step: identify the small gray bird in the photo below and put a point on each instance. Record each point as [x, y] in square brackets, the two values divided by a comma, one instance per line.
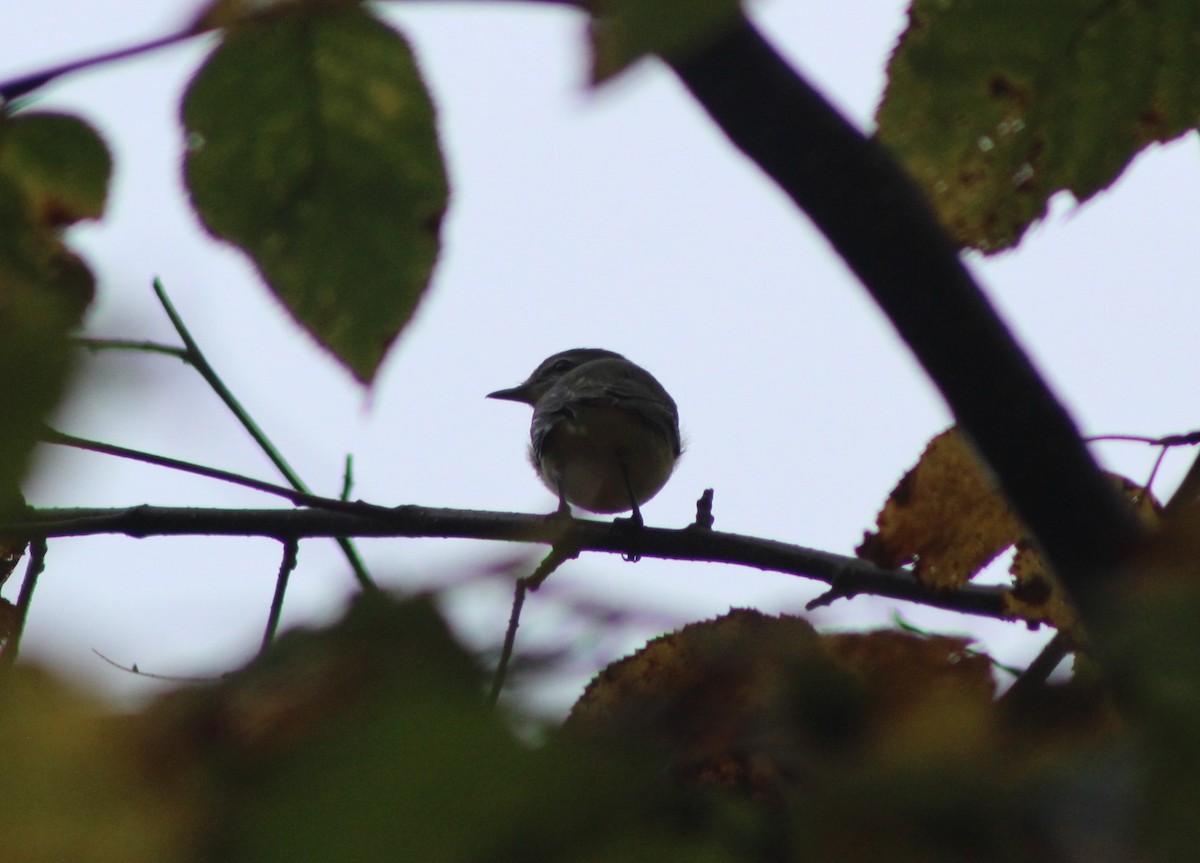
[605, 434]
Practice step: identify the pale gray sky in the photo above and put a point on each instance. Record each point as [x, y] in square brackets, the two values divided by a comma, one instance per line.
[616, 219]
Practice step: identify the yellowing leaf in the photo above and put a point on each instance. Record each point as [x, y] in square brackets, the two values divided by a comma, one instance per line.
[946, 516]
[1037, 596]
[312, 147]
[623, 31]
[949, 519]
[749, 701]
[931, 697]
[74, 784]
[995, 107]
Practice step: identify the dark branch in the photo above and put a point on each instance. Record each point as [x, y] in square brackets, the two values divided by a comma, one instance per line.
[1039, 671]
[291, 554]
[196, 358]
[565, 548]
[26, 84]
[416, 521]
[878, 221]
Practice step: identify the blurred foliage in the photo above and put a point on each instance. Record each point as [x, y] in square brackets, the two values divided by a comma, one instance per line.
[54, 171]
[71, 784]
[995, 107]
[1151, 656]
[312, 147]
[747, 738]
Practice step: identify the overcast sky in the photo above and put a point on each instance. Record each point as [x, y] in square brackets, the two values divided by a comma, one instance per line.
[617, 219]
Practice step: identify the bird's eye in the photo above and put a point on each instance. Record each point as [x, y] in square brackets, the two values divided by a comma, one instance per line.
[561, 366]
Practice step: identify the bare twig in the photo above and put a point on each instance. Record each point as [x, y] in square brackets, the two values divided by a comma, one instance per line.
[1189, 489]
[33, 568]
[1041, 668]
[26, 84]
[1187, 439]
[170, 678]
[564, 549]
[291, 549]
[53, 436]
[196, 358]
[132, 345]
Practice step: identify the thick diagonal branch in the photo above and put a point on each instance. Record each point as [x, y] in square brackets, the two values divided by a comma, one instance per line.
[879, 222]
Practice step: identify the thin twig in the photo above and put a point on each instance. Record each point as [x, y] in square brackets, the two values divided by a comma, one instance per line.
[1188, 491]
[287, 565]
[566, 548]
[1041, 668]
[96, 345]
[1187, 439]
[34, 568]
[196, 357]
[52, 436]
[200, 363]
[348, 478]
[510, 638]
[26, 84]
[170, 678]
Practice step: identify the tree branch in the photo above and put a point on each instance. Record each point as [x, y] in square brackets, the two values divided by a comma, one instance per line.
[879, 222]
[26, 84]
[196, 358]
[367, 520]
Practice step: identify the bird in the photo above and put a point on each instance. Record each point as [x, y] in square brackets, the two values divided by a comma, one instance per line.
[605, 433]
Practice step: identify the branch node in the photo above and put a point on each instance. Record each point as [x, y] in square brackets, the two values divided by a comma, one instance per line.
[840, 587]
[704, 512]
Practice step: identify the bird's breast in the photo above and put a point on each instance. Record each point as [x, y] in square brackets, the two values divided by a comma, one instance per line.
[590, 452]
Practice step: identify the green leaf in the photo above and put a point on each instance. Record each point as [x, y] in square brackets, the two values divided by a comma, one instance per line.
[312, 147]
[60, 162]
[225, 13]
[54, 170]
[995, 107]
[623, 31]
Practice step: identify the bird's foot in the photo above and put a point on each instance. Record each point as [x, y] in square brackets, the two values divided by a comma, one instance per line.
[635, 521]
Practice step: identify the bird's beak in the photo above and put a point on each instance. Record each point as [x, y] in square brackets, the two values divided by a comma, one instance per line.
[516, 394]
